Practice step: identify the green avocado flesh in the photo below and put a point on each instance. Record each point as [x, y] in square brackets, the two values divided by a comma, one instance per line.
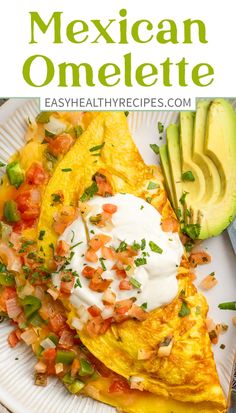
[199, 162]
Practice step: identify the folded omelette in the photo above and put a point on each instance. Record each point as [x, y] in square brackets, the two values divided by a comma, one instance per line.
[184, 381]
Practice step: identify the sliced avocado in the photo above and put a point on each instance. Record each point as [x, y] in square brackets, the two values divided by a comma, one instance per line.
[172, 135]
[209, 169]
[212, 162]
[196, 189]
[167, 174]
[220, 147]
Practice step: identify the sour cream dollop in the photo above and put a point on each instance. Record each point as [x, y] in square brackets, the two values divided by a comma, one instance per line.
[135, 220]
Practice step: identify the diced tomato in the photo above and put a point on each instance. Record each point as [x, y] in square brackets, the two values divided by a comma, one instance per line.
[208, 282]
[91, 256]
[104, 188]
[66, 286]
[58, 323]
[67, 215]
[27, 199]
[98, 326]
[31, 214]
[125, 285]
[59, 227]
[98, 241]
[94, 311]
[49, 354]
[61, 144]
[170, 224]
[51, 368]
[137, 313]
[62, 248]
[108, 253]
[120, 386]
[36, 175]
[98, 284]
[121, 273]
[6, 294]
[12, 339]
[123, 306]
[110, 208]
[199, 258]
[88, 272]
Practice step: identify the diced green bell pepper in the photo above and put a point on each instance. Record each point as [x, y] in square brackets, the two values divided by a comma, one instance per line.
[15, 173]
[43, 117]
[53, 338]
[10, 211]
[36, 320]
[6, 279]
[65, 356]
[30, 304]
[73, 385]
[86, 369]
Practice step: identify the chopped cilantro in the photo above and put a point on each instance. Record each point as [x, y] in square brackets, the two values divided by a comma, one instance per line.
[92, 231]
[143, 244]
[135, 283]
[2, 164]
[149, 199]
[89, 192]
[144, 306]
[152, 185]
[96, 148]
[185, 310]
[189, 246]
[102, 263]
[155, 248]
[192, 230]
[182, 199]
[140, 261]
[179, 213]
[155, 148]
[78, 131]
[122, 247]
[126, 113]
[188, 176]
[141, 207]
[56, 198]
[66, 169]
[41, 234]
[77, 283]
[73, 236]
[128, 268]
[75, 245]
[160, 127]
[188, 213]
[52, 247]
[135, 246]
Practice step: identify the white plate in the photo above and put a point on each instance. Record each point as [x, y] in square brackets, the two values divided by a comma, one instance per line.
[17, 390]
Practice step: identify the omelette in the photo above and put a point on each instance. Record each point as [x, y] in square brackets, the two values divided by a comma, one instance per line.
[162, 355]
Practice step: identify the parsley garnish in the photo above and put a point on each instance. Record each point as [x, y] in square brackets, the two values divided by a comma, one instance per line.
[78, 131]
[135, 283]
[140, 261]
[89, 192]
[144, 306]
[66, 169]
[160, 127]
[188, 176]
[183, 197]
[122, 247]
[135, 246]
[96, 148]
[141, 207]
[185, 310]
[56, 198]
[102, 264]
[154, 247]
[143, 244]
[155, 148]
[192, 230]
[152, 185]
[77, 283]
[41, 234]
[75, 245]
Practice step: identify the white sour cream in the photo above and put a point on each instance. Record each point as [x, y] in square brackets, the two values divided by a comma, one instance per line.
[134, 220]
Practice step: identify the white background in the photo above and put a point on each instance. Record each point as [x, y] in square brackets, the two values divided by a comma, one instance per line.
[218, 16]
